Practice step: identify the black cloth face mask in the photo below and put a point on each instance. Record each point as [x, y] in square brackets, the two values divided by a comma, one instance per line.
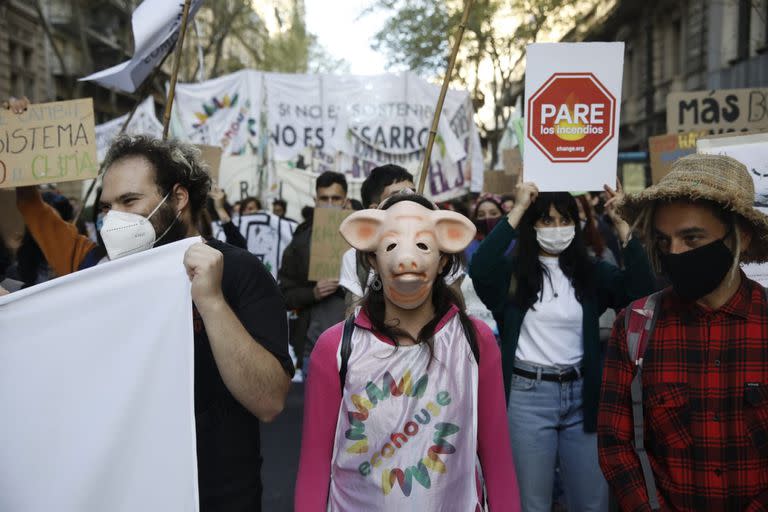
[698, 272]
[485, 226]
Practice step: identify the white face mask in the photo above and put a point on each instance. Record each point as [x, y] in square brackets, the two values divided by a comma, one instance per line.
[555, 240]
[128, 233]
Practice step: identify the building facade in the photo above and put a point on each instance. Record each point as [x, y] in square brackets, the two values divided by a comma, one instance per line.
[44, 53]
[680, 45]
[23, 69]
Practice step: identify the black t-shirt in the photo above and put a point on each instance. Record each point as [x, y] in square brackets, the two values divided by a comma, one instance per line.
[228, 448]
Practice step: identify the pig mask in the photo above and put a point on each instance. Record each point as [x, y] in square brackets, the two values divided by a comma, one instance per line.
[408, 240]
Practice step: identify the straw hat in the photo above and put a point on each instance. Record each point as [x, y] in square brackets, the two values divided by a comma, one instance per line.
[717, 178]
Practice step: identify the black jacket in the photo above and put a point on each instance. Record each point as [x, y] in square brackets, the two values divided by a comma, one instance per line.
[297, 289]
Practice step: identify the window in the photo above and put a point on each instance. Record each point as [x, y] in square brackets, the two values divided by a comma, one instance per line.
[29, 86]
[13, 52]
[28, 62]
[675, 50]
[745, 23]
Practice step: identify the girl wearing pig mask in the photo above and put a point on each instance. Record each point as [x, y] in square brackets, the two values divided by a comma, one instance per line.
[551, 294]
[405, 404]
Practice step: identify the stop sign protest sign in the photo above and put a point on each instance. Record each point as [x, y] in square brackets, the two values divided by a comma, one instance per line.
[571, 117]
[572, 105]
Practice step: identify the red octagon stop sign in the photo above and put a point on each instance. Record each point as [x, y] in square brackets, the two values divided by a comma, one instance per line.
[571, 117]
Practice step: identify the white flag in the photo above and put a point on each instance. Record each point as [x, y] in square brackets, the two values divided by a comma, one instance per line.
[156, 26]
[96, 389]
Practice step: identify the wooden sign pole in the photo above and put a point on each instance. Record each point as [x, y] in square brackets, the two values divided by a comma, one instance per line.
[441, 98]
[175, 74]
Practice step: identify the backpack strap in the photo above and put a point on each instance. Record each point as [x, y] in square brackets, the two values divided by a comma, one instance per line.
[346, 349]
[639, 321]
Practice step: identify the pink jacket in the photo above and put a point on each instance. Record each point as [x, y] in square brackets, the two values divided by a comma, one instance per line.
[323, 399]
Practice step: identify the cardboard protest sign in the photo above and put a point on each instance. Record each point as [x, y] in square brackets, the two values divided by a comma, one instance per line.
[50, 142]
[513, 161]
[718, 111]
[211, 155]
[495, 182]
[632, 177]
[665, 149]
[573, 93]
[751, 150]
[327, 246]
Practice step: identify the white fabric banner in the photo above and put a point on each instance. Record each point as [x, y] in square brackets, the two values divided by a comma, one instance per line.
[355, 123]
[266, 236]
[96, 390]
[296, 114]
[222, 112]
[144, 122]
[239, 176]
[346, 123]
[156, 25]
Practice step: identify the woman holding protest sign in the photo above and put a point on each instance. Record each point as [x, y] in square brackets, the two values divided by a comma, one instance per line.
[405, 406]
[551, 294]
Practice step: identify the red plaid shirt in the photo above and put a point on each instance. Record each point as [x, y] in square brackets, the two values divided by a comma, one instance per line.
[705, 394]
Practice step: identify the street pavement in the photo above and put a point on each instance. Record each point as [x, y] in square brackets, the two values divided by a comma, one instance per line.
[280, 447]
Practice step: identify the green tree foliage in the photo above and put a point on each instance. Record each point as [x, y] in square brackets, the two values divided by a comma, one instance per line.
[288, 51]
[418, 35]
[231, 36]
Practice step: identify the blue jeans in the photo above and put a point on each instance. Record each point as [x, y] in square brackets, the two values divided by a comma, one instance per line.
[546, 426]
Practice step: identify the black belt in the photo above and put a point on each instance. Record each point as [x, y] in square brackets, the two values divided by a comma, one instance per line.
[566, 376]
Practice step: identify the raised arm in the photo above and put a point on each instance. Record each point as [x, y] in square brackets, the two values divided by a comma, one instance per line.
[618, 287]
[244, 356]
[63, 247]
[490, 269]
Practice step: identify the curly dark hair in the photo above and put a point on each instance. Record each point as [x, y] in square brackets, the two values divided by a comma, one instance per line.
[174, 162]
[528, 276]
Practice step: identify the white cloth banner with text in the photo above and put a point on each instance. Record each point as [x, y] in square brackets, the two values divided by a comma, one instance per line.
[221, 112]
[346, 123]
[143, 122]
[96, 390]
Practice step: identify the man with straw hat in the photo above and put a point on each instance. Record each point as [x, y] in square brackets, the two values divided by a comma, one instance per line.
[683, 423]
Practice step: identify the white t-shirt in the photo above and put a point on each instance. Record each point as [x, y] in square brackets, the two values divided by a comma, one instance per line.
[348, 276]
[551, 334]
[475, 306]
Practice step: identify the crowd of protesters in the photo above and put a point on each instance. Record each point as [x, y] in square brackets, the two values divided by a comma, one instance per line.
[485, 324]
